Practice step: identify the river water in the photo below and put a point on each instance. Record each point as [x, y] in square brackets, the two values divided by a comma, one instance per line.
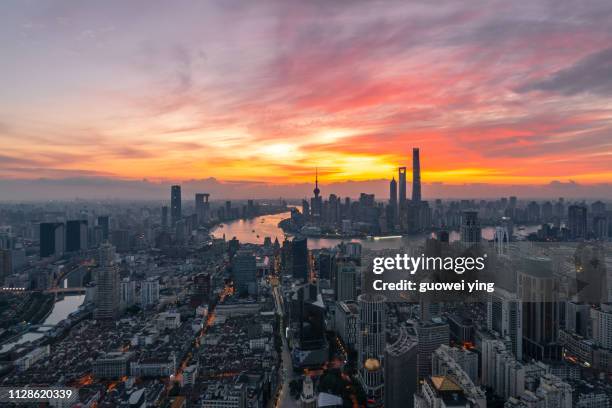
[256, 229]
[61, 310]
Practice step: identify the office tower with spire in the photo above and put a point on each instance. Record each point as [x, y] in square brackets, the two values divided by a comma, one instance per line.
[392, 215]
[416, 176]
[402, 203]
[175, 204]
[402, 187]
[107, 285]
[371, 344]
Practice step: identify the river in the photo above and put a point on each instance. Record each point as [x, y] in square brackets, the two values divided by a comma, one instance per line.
[254, 231]
[61, 310]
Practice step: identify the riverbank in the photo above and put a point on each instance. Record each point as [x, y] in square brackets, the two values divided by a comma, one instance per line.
[31, 310]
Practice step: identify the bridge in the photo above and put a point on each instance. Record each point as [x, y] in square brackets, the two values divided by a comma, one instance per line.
[76, 290]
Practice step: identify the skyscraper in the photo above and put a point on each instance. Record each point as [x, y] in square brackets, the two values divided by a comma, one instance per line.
[416, 176]
[430, 335]
[299, 258]
[6, 264]
[202, 207]
[401, 371]
[149, 292]
[577, 221]
[244, 269]
[470, 227]
[175, 204]
[76, 235]
[104, 223]
[164, 216]
[346, 279]
[505, 317]
[393, 192]
[51, 239]
[538, 289]
[393, 201]
[371, 345]
[402, 188]
[107, 285]
[128, 292]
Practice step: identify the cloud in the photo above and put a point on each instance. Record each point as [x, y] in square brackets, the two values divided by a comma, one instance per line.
[591, 74]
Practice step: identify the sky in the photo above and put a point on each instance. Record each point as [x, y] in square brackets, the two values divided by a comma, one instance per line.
[500, 93]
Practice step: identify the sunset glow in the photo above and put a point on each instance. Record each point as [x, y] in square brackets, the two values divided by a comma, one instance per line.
[494, 92]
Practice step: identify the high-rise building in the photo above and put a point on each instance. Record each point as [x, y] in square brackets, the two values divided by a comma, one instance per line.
[175, 204]
[308, 398]
[202, 287]
[244, 270]
[52, 239]
[120, 238]
[402, 188]
[76, 235]
[401, 371]
[430, 335]
[371, 344]
[538, 289]
[416, 176]
[202, 207]
[577, 221]
[104, 224]
[393, 201]
[164, 217]
[505, 317]
[149, 292]
[578, 318]
[553, 392]
[346, 323]
[325, 265]
[299, 258]
[470, 227]
[347, 275]
[107, 285]
[307, 313]
[128, 292]
[467, 360]
[500, 370]
[6, 264]
[602, 325]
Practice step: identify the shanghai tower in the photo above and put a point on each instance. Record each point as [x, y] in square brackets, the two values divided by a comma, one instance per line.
[416, 176]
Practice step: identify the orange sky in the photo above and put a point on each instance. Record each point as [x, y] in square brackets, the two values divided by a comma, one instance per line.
[491, 93]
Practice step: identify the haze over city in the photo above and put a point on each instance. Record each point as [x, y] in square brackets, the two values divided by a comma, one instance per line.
[250, 98]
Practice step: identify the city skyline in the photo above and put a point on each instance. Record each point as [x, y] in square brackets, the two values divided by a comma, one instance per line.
[503, 94]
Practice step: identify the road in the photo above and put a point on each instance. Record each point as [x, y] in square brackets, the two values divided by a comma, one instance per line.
[285, 399]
